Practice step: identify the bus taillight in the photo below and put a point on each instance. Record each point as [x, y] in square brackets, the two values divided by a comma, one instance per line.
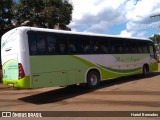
[21, 71]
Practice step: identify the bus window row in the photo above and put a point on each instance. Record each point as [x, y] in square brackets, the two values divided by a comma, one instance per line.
[56, 43]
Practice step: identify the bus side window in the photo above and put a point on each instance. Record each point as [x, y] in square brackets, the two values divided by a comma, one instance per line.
[104, 49]
[72, 44]
[51, 40]
[151, 49]
[105, 46]
[62, 48]
[145, 50]
[41, 44]
[86, 48]
[72, 48]
[85, 45]
[62, 44]
[112, 46]
[96, 47]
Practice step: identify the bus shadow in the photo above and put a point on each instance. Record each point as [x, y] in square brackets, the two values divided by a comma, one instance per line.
[71, 92]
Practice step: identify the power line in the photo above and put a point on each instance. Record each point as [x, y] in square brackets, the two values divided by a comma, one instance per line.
[158, 15]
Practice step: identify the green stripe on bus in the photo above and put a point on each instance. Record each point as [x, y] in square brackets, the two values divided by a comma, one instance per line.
[125, 71]
[106, 73]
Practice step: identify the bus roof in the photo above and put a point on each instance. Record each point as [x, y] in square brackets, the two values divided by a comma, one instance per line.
[27, 28]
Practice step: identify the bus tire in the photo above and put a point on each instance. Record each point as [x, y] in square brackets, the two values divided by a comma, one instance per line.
[145, 70]
[93, 79]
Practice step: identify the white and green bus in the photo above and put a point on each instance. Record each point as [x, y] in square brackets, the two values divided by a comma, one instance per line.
[38, 57]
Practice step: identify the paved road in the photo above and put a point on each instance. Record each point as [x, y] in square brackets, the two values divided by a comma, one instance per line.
[124, 94]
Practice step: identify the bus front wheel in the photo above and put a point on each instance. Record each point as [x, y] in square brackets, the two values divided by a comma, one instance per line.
[93, 79]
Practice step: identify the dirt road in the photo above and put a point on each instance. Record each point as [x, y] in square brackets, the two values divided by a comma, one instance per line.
[124, 94]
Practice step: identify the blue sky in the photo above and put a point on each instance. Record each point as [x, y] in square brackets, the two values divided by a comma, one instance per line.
[129, 18]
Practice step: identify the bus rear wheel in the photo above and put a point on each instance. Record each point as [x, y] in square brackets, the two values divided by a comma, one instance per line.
[93, 79]
[145, 70]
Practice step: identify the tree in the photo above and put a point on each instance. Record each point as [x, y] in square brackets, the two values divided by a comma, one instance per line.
[27, 12]
[42, 13]
[155, 38]
[6, 15]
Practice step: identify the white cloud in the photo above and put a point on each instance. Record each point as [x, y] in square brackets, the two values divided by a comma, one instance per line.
[143, 9]
[125, 33]
[96, 15]
[139, 19]
[99, 16]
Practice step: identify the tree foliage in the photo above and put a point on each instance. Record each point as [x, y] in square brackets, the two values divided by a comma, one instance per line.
[37, 13]
[155, 38]
[42, 13]
[6, 15]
